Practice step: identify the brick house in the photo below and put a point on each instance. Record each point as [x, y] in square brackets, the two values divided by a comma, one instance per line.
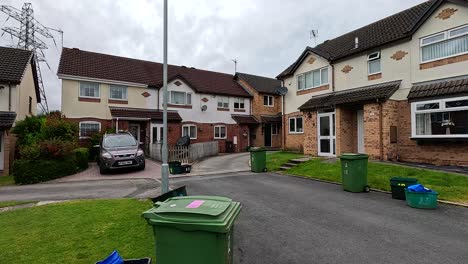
[266, 108]
[101, 91]
[395, 89]
[19, 95]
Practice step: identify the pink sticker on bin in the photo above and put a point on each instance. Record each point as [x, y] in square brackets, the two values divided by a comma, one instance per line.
[195, 204]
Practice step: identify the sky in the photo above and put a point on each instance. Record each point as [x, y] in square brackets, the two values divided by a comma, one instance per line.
[264, 36]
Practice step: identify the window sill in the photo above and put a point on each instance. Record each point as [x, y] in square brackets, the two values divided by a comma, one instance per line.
[220, 138]
[239, 110]
[296, 133]
[223, 109]
[89, 99]
[117, 101]
[438, 140]
[374, 76]
[313, 90]
[179, 106]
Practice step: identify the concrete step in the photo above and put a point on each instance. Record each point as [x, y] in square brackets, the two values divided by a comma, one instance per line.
[299, 160]
[289, 164]
[285, 168]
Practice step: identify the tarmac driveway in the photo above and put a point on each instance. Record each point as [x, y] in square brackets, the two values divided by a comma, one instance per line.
[294, 220]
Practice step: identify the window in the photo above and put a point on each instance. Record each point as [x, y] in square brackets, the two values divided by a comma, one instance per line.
[89, 89]
[445, 44]
[189, 130]
[295, 125]
[312, 79]
[274, 129]
[373, 63]
[118, 92]
[181, 98]
[268, 100]
[89, 128]
[223, 102]
[239, 103]
[219, 132]
[30, 105]
[443, 118]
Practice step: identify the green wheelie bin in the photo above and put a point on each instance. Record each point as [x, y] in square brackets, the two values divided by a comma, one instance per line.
[194, 229]
[258, 159]
[354, 172]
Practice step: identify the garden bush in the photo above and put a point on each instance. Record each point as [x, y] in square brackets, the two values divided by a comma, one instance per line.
[81, 157]
[35, 171]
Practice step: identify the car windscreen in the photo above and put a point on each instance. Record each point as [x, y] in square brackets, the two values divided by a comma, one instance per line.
[119, 141]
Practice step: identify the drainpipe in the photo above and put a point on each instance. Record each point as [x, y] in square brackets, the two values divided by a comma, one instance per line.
[9, 97]
[117, 125]
[283, 128]
[333, 76]
[381, 129]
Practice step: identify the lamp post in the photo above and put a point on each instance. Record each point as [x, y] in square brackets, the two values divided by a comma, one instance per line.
[165, 165]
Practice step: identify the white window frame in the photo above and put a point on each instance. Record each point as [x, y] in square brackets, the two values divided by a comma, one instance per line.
[98, 90]
[372, 57]
[302, 75]
[214, 132]
[239, 101]
[446, 37]
[186, 96]
[223, 100]
[295, 125]
[272, 101]
[442, 108]
[189, 126]
[88, 122]
[118, 86]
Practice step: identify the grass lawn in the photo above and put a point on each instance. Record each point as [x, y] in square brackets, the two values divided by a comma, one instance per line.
[76, 232]
[6, 180]
[11, 203]
[451, 187]
[274, 160]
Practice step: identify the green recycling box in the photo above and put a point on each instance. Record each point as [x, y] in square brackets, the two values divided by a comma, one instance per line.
[258, 159]
[354, 172]
[194, 229]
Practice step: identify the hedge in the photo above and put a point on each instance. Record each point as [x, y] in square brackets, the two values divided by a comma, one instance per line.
[81, 156]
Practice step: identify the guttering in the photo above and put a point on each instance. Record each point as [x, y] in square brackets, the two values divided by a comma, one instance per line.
[132, 118]
[79, 78]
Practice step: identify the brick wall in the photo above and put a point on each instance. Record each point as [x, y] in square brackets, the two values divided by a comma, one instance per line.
[310, 133]
[293, 141]
[372, 135]
[346, 130]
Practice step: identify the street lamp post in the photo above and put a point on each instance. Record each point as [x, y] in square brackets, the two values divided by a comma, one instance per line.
[165, 166]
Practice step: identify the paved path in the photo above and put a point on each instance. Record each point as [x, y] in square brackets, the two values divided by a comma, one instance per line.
[152, 171]
[222, 164]
[139, 188]
[293, 220]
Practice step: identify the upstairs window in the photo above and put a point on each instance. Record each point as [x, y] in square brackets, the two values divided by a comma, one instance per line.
[89, 89]
[312, 79]
[223, 102]
[373, 63]
[239, 103]
[445, 44]
[189, 130]
[118, 92]
[268, 100]
[181, 98]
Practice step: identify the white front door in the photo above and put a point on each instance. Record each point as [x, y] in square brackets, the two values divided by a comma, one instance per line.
[156, 133]
[360, 131]
[134, 129]
[326, 134]
[2, 158]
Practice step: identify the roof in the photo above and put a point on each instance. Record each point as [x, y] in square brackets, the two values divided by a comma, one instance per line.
[13, 63]
[271, 118]
[390, 29]
[86, 64]
[259, 83]
[432, 90]
[380, 92]
[7, 119]
[245, 119]
[127, 112]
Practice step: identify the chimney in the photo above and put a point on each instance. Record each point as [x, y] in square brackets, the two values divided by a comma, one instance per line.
[356, 42]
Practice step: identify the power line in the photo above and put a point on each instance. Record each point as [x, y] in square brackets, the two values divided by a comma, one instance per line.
[30, 36]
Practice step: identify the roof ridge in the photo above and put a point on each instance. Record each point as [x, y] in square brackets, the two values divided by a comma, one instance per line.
[257, 75]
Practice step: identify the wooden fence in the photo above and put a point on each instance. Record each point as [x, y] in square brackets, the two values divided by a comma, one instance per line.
[187, 154]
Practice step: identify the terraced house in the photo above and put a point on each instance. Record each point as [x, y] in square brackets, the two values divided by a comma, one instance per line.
[19, 95]
[101, 91]
[396, 89]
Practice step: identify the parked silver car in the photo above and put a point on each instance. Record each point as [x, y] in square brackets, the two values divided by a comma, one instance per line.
[118, 151]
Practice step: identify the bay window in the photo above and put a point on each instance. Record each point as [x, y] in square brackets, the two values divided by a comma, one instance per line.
[444, 118]
[312, 79]
[444, 44]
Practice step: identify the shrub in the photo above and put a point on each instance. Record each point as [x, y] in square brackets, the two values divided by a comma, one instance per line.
[56, 148]
[34, 171]
[30, 152]
[81, 156]
[57, 126]
[28, 130]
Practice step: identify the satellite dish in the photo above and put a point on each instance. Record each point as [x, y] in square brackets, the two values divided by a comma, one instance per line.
[281, 90]
[204, 107]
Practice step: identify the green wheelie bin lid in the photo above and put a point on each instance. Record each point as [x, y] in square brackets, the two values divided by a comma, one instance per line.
[256, 149]
[353, 156]
[190, 213]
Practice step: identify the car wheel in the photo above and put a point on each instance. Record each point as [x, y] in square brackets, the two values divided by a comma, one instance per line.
[102, 170]
[142, 166]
